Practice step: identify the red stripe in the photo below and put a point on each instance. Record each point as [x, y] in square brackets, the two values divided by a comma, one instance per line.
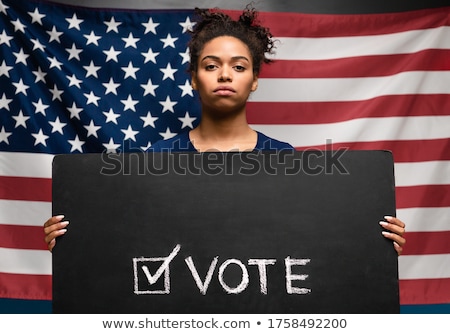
[422, 243]
[17, 286]
[428, 196]
[330, 112]
[22, 237]
[425, 291]
[365, 66]
[25, 188]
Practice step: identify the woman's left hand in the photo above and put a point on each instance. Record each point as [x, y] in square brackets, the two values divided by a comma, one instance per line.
[395, 230]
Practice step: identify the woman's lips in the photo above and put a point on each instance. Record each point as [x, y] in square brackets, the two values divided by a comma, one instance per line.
[224, 91]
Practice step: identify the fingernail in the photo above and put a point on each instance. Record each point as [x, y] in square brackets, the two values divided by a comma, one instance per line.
[385, 233]
[388, 217]
[60, 217]
[383, 223]
[65, 223]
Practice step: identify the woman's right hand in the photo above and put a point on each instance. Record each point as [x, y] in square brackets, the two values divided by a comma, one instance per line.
[53, 228]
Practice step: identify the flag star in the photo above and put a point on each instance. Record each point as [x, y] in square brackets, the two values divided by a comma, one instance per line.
[91, 70]
[168, 134]
[4, 135]
[4, 102]
[21, 57]
[92, 98]
[74, 111]
[40, 76]
[145, 148]
[130, 71]
[187, 25]
[74, 22]
[111, 87]
[37, 45]
[73, 81]
[111, 147]
[186, 89]
[130, 133]
[56, 93]
[21, 120]
[40, 107]
[167, 104]
[150, 26]
[149, 88]
[149, 120]
[111, 116]
[185, 56]
[169, 41]
[112, 54]
[129, 103]
[187, 121]
[130, 41]
[92, 38]
[57, 126]
[40, 138]
[92, 129]
[150, 56]
[4, 69]
[54, 63]
[76, 144]
[112, 25]
[74, 52]
[54, 35]
[36, 16]
[3, 8]
[21, 87]
[168, 72]
[4, 39]
[18, 26]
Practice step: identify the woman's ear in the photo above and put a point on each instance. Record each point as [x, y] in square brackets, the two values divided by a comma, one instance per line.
[255, 83]
[194, 81]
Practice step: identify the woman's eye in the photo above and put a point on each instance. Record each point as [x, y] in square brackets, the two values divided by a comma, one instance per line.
[239, 68]
[210, 67]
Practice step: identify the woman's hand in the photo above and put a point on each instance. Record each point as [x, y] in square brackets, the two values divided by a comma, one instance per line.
[395, 230]
[53, 228]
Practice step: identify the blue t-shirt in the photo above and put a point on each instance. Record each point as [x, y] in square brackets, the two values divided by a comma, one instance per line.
[182, 143]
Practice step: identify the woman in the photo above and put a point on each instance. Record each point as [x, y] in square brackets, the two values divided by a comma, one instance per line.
[226, 57]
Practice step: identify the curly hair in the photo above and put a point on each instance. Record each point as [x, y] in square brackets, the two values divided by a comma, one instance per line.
[213, 23]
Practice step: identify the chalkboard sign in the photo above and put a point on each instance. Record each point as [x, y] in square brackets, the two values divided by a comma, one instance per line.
[225, 233]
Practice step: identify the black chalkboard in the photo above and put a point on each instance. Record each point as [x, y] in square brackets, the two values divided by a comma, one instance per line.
[225, 233]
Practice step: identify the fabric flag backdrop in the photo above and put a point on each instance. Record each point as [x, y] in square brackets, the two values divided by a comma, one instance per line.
[78, 80]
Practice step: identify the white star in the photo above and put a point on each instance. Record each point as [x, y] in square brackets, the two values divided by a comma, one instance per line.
[130, 133]
[74, 111]
[92, 38]
[76, 144]
[145, 148]
[129, 103]
[167, 104]
[54, 35]
[4, 39]
[37, 45]
[149, 88]
[150, 56]
[111, 116]
[4, 135]
[56, 93]
[4, 69]
[169, 41]
[185, 56]
[112, 25]
[186, 88]
[130, 71]
[40, 76]
[74, 22]
[187, 121]
[57, 126]
[73, 81]
[130, 41]
[36, 16]
[92, 98]
[55, 63]
[91, 70]
[74, 52]
[40, 138]
[3, 8]
[21, 119]
[4, 102]
[40, 107]
[21, 57]
[111, 147]
[112, 54]
[111, 87]
[168, 134]
[150, 26]
[18, 26]
[149, 120]
[168, 72]
[92, 129]
[187, 25]
[21, 87]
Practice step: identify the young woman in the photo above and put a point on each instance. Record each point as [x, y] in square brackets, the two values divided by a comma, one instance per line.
[226, 57]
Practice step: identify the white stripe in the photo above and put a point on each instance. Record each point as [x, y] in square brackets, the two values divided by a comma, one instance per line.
[290, 48]
[350, 89]
[422, 173]
[32, 262]
[360, 130]
[26, 213]
[26, 164]
[424, 266]
[425, 219]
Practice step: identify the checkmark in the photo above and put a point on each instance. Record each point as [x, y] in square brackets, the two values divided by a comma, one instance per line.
[152, 279]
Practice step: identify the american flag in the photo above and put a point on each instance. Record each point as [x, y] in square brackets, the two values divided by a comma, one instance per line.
[79, 80]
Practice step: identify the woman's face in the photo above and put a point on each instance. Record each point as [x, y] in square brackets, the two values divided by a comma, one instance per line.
[225, 77]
